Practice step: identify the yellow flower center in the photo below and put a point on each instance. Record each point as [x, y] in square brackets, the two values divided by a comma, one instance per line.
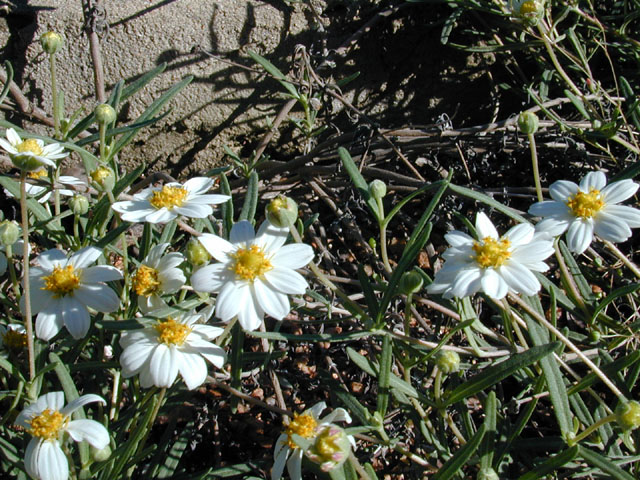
[171, 332]
[145, 281]
[14, 339]
[250, 263]
[48, 424]
[302, 425]
[29, 145]
[169, 197]
[529, 7]
[38, 174]
[100, 174]
[326, 445]
[586, 205]
[62, 281]
[492, 252]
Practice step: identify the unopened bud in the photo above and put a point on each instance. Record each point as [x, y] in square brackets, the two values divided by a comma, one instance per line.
[628, 415]
[100, 455]
[51, 42]
[448, 361]
[315, 103]
[79, 205]
[196, 254]
[9, 232]
[282, 211]
[410, 282]
[528, 123]
[487, 474]
[331, 448]
[105, 113]
[529, 11]
[103, 179]
[377, 189]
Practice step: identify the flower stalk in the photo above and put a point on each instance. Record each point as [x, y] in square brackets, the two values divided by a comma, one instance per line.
[28, 322]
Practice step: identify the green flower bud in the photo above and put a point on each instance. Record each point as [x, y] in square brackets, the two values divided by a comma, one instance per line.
[628, 415]
[410, 282]
[282, 211]
[79, 205]
[330, 448]
[529, 11]
[487, 474]
[51, 42]
[448, 361]
[377, 189]
[103, 179]
[196, 254]
[105, 113]
[9, 232]
[100, 455]
[528, 123]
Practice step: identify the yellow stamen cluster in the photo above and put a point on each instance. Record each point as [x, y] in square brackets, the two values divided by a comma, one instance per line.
[30, 145]
[302, 425]
[48, 424]
[62, 281]
[169, 197]
[586, 205]
[529, 7]
[326, 445]
[100, 174]
[38, 174]
[491, 252]
[171, 332]
[145, 281]
[250, 263]
[14, 340]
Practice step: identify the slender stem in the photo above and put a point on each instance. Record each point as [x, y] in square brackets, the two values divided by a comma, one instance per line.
[554, 60]
[571, 284]
[154, 414]
[591, 429]
[534, 162]
[226, 331]
[437, 386]
[514, 324]
[623, 258]
[103, 141]
[12, 271]
[570, 345]
[383, 234]
[54, 95]
[115, 395]
[25, 274]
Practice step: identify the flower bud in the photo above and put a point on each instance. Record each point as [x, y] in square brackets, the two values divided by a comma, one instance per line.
[282, 211]
[103, 179]
[628, 415]
[105, 113]
[315, 103]
[9, 232]
[331, 448]
[448, 361]
[487, 474]
[79, 205]
[377, 189]
[410, 282]
[51, 42]
[528, 123]
[100, 455]
[196, 254]
[529, 11]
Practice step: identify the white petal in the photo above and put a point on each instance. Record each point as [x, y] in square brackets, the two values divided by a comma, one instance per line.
[211, 352]
[134, 358]
[561, 190]
[85, 257]
[193, 369]
[493, 284]
[161, 215]
[241, 232]
[553, 227]
[229, 301]
[198, 185]
[13, 137]
[593, 181]
[49, 259]
[98, 296]
[609, 227]
[630, 215]
[155, 254]
[458, 239]
[520, 279]
[101, 273]
[51, 400]
[163, 366]
[75, 316]
[193, 210]
[218, 247]
[484, 227]
[80, 402]
[467, 283]
[270, 237]
[211, 199]
[280, 455]
[286, 281]
[579, 235]
[250, 315]
[619, 191]
[89, 431]
[338, 415]
[31, 456]
[520, 234]
[51, 461]
[295, 255]
[273, 303]
[211, 278]
[49, 322]
[169, 261]
[207, 332]
[294, 465]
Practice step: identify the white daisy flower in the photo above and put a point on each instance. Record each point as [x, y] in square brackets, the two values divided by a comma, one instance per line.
[255, 274]
[44, 192]
[171, 346]
[306, 425]
[62, 288]
[492, 263]
[47, 420]
[163, 204]
[588, 209]
[157, 275]
[31, 153]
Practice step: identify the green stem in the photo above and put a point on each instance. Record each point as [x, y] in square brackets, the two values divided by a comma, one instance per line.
[54, 95]
[554, 60]
[534, 162]
[383, 235]
[25, 274]
[623, 258]
[103, 140]
[591, 429]
[12, 271]
[569, 281]
[154, 414]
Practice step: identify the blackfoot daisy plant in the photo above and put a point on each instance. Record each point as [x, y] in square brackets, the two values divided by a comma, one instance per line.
[31, 153]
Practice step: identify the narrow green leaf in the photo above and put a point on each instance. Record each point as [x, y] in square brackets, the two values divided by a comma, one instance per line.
[454, 465]
[358, 181]
[138, 84]
[578, 103]
[576, 273]
[492, 375]
[551, 465]
[603, 463]
[227, 207]
[367, 291]
[34, 207]
[384, 372]
[609, 369]
[11, 369]
[617, 293]
[5, 89]
[317, 337]
[482, 198]
[487, 447]
[275, 73]
[250, 199]
[372, 369]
